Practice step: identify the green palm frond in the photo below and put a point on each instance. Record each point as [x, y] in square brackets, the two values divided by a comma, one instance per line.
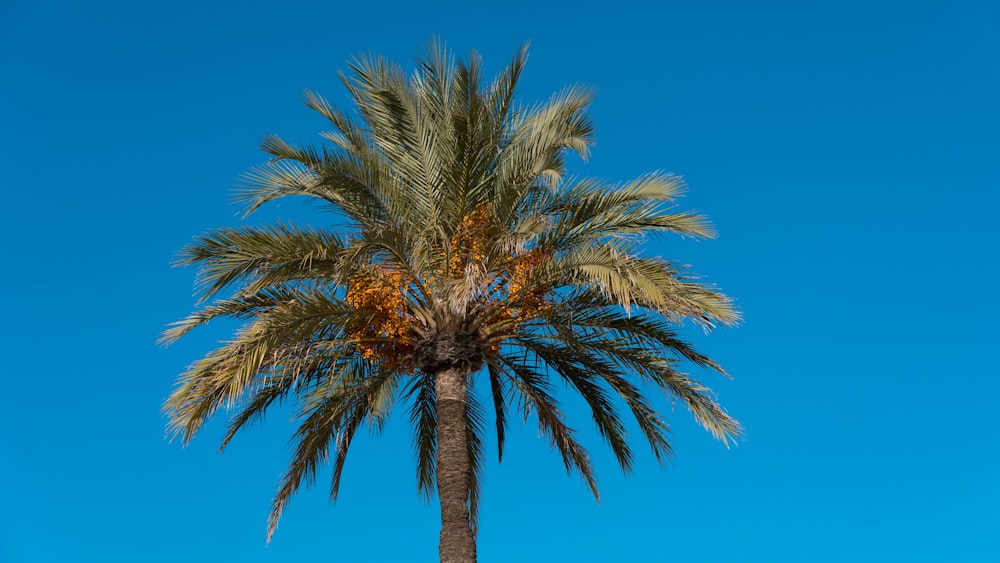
[499, 396]
[347, 135]
[533, 391]
[261, 256]
[588, 310]
[276, 340]
[594, 371]
[423, 419]
[629, 280]
[331, 414]
[583, 373]
[589, 211]
[533, 154]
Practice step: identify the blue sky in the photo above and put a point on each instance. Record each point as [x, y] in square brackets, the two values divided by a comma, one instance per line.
[846, 151]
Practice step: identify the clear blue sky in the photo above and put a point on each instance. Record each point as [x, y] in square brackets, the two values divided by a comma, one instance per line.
[847, 152]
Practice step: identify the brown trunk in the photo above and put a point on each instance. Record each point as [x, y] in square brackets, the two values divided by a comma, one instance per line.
[457, 544]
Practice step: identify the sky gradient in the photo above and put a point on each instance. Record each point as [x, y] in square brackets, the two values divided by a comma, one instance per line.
[847, 154]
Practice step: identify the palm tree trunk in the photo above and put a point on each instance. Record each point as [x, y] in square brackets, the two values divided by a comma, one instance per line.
[457, 545]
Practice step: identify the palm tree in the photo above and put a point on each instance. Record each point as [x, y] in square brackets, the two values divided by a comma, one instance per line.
[466, 253]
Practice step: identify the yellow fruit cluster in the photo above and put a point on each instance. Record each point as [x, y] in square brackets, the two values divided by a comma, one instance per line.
[382, 329]
[468, 244]
[529, 302]
[519, 302]
[383, 335]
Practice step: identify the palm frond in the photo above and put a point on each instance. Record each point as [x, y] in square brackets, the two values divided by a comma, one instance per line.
[263, 255]
[331, 415]
[497, 389]
[597, 356]
[500, 97]
[533, 153]
[534, 393]
[423, 419]
[699, 401]
[588, 211]
[583, 372]
[630, 280]
[263, 346]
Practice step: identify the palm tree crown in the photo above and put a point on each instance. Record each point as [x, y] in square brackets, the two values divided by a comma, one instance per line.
[467, 251]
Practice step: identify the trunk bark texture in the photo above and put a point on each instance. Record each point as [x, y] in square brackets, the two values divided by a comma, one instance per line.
[457, 545]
